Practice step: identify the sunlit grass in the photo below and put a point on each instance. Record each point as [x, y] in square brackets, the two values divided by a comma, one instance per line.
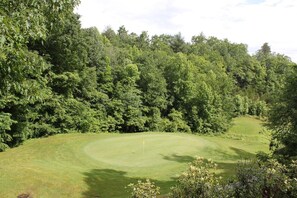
[90, 165]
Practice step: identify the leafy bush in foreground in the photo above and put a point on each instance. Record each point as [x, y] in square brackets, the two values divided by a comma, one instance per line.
[253, 179]
[143, 189]
[197, 181]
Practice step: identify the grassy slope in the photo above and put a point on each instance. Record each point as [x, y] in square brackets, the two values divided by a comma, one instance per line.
[88, 165]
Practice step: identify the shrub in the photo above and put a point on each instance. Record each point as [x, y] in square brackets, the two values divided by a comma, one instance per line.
[253, 179]
[146, 189]
[262, 179]
[198, 181]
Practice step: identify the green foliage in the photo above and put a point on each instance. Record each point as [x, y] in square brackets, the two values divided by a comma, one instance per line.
[197, 181]
[241, 105]
[126, 106]
[267, 179]
[94, 42]
[283, 119]
[24, 72]
[175, 123]
[146, 189]
[152, 84]
[5, 125]
[244, 106]
[76, 116]
[253, 179]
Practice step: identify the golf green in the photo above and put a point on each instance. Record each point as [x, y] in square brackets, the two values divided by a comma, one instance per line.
[145, 149]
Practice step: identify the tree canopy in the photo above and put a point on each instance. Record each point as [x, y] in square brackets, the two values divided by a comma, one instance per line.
[283, 118]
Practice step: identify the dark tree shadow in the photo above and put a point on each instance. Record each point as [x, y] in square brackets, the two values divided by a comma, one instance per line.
[107, 183]
[243, 154]
[229, 169]
[179, 158]
[222, 154]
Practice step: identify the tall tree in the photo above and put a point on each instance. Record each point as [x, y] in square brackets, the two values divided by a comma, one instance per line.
[23, 79]
[126, 106]
[283, 118]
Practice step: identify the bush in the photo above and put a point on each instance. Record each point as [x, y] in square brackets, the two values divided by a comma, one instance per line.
[198, 181]
[255, 179]
[145, 189]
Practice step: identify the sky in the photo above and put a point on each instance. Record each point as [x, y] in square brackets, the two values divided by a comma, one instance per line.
[252, 22]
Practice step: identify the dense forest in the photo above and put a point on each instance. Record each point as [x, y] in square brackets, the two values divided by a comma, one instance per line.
[57, 77]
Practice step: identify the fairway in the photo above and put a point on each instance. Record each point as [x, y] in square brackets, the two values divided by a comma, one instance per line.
[101, 165]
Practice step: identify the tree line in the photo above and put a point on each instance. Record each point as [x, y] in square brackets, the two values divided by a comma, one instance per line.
[57, 77]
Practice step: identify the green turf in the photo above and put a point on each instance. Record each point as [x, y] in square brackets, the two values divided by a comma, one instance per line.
[101, 165]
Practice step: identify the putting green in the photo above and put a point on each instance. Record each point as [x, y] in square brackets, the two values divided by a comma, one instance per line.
[145, 149]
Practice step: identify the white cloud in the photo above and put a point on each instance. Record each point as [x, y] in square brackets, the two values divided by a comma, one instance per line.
[252, 22]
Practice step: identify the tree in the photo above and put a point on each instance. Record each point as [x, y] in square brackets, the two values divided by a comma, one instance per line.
[5, 125]
[94, 42]
[112, 37]
[264, 52]
[126, 105]
[283, 118]
[153, 88]
[178, 44]
[143, 41]
[23, 69]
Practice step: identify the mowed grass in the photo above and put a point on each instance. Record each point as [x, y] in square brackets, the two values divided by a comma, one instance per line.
[101, 165]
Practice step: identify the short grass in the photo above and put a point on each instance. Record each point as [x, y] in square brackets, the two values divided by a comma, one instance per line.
[101, 165]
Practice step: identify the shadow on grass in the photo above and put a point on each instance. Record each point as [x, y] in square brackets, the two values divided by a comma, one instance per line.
[179, 158]
[227, 170]
[111, 183]
[236, 155]
[242, 154]
[105, 183]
